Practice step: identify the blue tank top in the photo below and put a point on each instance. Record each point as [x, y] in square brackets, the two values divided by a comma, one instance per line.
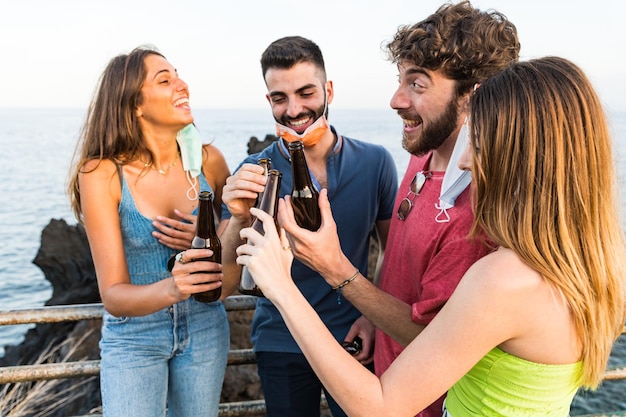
[145, 256]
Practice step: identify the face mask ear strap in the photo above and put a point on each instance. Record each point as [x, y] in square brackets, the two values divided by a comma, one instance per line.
[192, 191]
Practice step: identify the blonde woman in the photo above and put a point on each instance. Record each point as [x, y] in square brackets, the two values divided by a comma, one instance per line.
[529, 323]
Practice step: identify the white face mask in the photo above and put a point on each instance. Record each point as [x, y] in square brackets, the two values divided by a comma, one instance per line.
[455, 179]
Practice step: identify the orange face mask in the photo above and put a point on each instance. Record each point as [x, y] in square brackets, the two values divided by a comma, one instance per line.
[309, 137]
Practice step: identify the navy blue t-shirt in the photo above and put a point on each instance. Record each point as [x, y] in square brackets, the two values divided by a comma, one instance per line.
[362, 186]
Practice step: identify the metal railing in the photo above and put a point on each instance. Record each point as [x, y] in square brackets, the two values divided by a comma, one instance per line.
[90, 368]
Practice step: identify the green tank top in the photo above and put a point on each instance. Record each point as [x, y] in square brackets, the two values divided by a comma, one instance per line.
[503, 385]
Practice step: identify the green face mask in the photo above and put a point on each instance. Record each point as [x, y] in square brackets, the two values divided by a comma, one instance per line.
[190, 144]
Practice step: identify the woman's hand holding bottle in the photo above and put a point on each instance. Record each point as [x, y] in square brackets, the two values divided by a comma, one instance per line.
[191, 274]
[268, 257]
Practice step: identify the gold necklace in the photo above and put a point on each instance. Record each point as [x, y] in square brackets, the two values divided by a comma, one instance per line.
[162, 171]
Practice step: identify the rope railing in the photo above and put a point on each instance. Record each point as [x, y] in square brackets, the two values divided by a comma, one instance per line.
[90, 368]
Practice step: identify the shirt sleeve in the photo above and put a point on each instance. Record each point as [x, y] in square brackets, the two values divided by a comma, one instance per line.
[388, 186]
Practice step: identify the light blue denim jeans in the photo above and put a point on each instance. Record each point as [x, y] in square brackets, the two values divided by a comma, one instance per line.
[174, 359]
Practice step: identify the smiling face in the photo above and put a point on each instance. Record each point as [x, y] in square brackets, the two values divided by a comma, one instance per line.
[429, 107]
[164, 96]
[297, 95]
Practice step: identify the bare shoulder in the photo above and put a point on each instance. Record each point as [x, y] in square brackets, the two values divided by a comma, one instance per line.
[99, 167]
[529, 317]
[493, 296]
[503, 273]
[215, 170]
[98, 170]
[212, 153]
[97, 176]
[213, 161]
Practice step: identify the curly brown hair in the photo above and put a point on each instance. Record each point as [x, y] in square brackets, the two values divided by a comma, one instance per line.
[467, 44]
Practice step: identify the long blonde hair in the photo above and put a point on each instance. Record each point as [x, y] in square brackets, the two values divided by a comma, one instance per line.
[546, 188]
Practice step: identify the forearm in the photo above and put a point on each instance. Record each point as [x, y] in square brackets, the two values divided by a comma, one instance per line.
[125, 299]
[386, 312]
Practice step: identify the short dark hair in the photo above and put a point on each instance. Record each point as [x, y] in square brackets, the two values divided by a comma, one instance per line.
[286, 52]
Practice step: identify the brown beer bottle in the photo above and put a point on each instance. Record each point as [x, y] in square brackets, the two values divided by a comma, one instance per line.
[269, 204]
[206, 237]
[304, 195]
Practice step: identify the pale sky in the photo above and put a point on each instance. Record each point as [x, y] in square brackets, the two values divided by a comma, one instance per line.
[53, 51]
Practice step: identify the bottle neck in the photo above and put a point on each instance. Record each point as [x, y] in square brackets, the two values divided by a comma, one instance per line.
[271, 195]
[269, 203]
[206, 221]
[266, 164]
[300, 168]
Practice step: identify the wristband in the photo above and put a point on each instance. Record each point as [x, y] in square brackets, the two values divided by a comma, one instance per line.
[339, 287]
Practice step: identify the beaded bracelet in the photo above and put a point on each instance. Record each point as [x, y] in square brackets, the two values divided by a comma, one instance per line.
[339, 287]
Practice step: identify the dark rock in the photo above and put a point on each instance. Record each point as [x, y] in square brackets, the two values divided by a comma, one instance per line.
[256, 146]
[65, 259]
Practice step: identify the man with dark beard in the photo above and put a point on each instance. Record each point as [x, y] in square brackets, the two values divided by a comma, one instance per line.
[361, 181]
[441, 60]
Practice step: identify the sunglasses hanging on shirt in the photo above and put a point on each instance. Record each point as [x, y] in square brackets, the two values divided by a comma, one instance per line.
[414, 190]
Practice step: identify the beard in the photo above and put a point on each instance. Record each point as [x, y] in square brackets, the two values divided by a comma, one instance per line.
[435, 133]
[313, 114]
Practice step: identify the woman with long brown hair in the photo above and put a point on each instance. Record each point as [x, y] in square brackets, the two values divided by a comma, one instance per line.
[139, 166]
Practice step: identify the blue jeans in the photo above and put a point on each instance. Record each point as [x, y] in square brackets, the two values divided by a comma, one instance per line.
[174, 359]
[290, 386]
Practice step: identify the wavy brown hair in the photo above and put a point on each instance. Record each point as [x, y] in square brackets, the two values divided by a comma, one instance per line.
[545, 187]
[468, 45]
[111, 129]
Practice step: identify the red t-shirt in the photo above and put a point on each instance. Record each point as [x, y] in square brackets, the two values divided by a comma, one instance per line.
[425, 258]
